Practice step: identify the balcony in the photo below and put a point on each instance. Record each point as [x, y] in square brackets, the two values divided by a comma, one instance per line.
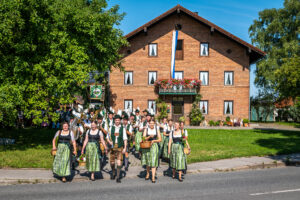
[177, 91]
[177, 86]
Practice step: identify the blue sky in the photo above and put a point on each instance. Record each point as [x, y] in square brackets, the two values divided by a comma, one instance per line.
[234, 16]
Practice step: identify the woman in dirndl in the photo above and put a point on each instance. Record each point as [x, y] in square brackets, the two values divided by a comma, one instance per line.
[139, 133]
[162, 127]
[150, 156]
[92, 153]
[168, 129]
[62, 160]
[176, 151]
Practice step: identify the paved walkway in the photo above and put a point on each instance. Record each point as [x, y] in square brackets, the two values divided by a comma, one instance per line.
[263, 126]
[18, 176]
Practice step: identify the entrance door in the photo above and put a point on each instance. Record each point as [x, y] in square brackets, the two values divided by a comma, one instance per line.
[177, 108]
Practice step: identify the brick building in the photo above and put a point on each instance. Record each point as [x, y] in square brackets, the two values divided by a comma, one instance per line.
[204, 51]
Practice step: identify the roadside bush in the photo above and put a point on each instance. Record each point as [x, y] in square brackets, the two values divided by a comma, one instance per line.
[211, 123]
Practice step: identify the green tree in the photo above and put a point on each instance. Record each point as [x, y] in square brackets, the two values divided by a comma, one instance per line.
[195, 114]
[162, 109]
[277, 33]
[48, 48]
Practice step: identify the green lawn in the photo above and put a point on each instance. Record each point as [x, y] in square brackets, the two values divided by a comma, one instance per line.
[294, 124]
[32, 148]
[209, 145]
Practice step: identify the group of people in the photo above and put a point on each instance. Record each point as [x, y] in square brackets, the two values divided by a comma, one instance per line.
[116, 135]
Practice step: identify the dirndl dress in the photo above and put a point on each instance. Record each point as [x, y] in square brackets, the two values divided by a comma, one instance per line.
[92, 153]
[138, 140]
[62, 160]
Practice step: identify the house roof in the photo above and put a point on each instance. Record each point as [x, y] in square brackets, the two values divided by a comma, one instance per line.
[254, 52]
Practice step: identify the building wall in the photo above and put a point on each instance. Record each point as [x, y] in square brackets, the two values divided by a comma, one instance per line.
[218, 61]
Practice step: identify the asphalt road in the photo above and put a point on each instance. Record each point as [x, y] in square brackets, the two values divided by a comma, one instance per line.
[275, 184]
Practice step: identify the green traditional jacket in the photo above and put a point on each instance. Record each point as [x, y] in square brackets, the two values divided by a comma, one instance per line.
[120, 137]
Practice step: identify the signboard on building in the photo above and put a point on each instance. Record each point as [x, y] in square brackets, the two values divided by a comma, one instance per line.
[97, 92]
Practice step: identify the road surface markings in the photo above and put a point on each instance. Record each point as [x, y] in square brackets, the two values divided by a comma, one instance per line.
[276, 192]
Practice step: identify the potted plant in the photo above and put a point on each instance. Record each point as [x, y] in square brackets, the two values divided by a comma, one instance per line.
[182, 119]
[228, 122]
[246, 122]
[217, 123]
[211, 123]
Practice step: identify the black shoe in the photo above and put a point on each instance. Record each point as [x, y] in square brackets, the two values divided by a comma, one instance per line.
[118, 180]
[126, 169]
[153, 181]
[112, 177]
[180, 180]
[147, 178]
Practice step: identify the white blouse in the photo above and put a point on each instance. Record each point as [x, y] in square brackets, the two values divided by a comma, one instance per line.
[152, 131]
[70, 132]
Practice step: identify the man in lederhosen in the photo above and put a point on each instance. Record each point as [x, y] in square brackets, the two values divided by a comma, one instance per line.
[118, 139]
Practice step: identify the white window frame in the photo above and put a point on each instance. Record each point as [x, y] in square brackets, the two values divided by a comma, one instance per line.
[177, 73]
[231, 76]
[202, 46]
[207, 77]
[154, 105]
[151, 46]
[205, 103]
[226, 104]
[150, 74]
[130, 102]
[126, 74]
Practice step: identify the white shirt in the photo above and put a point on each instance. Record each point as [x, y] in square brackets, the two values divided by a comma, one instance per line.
[130, 127]
[178, 136]
[142, 126]
[168, 128]
[117, 130]
[152, 131]
[71, 133]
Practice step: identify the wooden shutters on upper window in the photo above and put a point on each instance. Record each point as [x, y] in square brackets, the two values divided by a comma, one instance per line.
[203, 76]
[128, 78]
[228, 107]
[179, 50]
[128, 105]
[152, 77]
[228, 78]
[204, 107]
[152, 50]
[152, 105]
[204, 49]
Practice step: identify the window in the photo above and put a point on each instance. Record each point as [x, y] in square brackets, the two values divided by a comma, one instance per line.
[179, 50]
[152, 77]
[204, 49]
[178, 75]
[128, 78]
[152, 50]
[203, 76]
[228, 78]
[228, 107]
[204, 107]
[152, 105]
[128, 105]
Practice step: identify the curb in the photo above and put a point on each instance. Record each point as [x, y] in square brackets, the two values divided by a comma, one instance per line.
[276, 164]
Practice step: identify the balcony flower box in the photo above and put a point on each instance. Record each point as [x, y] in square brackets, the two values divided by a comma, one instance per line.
[178, 86]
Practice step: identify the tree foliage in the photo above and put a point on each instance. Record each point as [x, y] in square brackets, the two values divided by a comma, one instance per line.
[277, 33]
[48, 48]
[263, 103]
[196, 114]
[162, 109]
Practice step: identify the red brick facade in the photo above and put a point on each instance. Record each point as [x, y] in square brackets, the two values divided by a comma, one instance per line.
[225, 54]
